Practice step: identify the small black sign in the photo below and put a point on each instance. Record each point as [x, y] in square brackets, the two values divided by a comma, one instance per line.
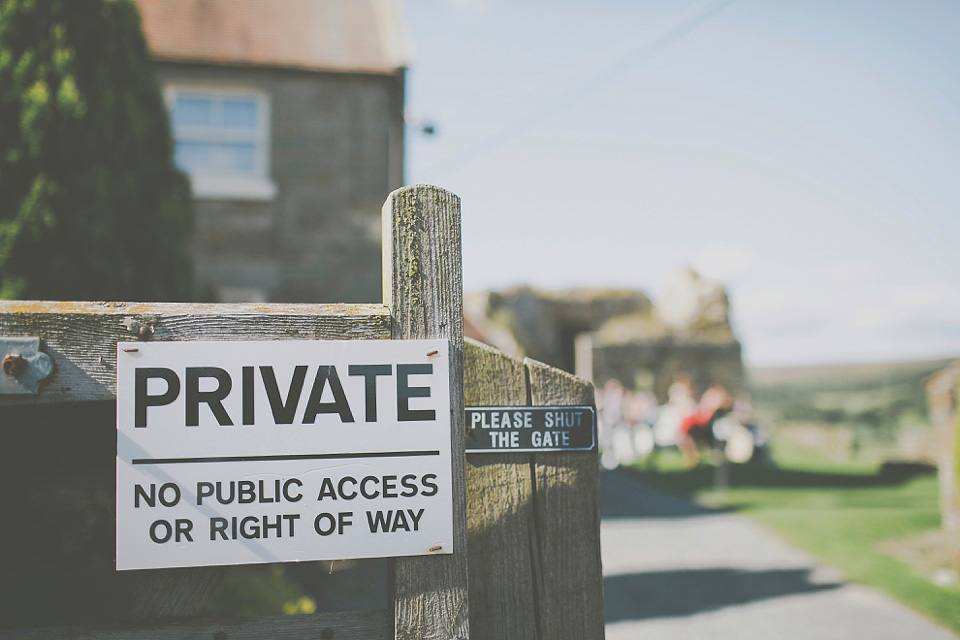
[530, 429]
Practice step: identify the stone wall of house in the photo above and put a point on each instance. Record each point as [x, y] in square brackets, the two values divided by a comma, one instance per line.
[336, 153]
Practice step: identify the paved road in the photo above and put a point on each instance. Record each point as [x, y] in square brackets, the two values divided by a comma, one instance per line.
[673, 570]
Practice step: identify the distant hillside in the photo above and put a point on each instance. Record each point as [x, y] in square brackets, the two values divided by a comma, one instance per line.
[858, 375]
[882, 403]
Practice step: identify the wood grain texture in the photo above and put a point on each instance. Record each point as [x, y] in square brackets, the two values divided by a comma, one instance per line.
[360, 625]
[82, 336]
[501, 537]
[423, 287]
[533, 519]
[567, 501]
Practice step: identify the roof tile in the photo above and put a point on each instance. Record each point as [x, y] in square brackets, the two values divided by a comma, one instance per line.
[338, 35]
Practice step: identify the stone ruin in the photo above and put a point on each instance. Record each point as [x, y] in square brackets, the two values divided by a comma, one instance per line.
[607, 334]
[943, 401]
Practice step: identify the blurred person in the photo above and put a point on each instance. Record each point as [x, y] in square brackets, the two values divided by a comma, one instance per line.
[610, 404]
[697, 428]
[639, 409]
[681, 402]
[609, 416]
[754, 445]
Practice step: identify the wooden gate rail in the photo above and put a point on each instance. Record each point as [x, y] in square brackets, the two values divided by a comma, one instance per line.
[82, 337]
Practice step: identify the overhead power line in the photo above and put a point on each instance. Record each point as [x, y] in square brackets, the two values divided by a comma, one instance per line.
[588, 85]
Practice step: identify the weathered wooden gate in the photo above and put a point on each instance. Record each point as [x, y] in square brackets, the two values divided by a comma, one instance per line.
[533, 520]
[527, 526]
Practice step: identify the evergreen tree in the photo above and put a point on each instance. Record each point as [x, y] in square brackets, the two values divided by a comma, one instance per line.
[91, 205]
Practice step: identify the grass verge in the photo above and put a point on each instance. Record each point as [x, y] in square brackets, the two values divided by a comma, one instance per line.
[841, 512]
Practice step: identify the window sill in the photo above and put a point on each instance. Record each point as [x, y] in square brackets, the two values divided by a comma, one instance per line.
[233, 188]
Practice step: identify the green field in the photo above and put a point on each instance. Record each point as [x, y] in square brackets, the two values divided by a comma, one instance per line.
[863, 519]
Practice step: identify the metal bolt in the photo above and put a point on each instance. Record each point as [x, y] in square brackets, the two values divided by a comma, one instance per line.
[143, 330]
[220, 635]
[14, 365]
[326, 634]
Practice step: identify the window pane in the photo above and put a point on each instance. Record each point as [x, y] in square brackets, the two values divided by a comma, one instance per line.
[192, 157]
[239, 114]
[219, 133]
[192, 111]
[234, 159]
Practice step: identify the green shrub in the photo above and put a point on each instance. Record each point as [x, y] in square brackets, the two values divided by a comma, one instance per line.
[91, 205]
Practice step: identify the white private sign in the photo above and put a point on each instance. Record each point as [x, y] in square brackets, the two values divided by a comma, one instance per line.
[250, 452]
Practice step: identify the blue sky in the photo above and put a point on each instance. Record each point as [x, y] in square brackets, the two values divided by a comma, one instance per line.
[805, 154]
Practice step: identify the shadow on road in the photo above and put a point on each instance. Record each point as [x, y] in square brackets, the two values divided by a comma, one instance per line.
[622, 496]
[670, 594]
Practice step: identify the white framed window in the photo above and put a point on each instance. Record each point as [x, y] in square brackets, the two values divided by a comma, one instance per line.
[222, 139]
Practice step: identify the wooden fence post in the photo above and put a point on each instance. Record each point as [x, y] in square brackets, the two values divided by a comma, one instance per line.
[943, 392]
[943, 403]
[423, 288]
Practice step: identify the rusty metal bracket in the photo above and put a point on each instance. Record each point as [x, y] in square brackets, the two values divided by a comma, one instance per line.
[23, 365]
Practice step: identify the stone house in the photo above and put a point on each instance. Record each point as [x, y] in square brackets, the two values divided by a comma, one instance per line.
[288, 117]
